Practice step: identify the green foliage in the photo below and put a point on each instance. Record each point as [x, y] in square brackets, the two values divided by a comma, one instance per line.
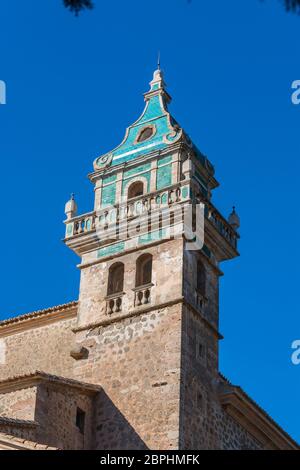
[292, 5]
[77, 5]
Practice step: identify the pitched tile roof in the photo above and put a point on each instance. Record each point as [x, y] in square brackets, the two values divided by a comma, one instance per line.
[38, 313]
[7, 441]
[35, 377]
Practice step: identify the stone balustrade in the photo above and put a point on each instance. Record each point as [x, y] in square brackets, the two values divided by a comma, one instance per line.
[114, 303]
[143, 206]
[127, 210]
[142, 295]
[81, 224]
[221, 224]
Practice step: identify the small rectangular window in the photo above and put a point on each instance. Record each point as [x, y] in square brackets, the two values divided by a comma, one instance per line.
[200, 350]
[80, 420]
[200, 401]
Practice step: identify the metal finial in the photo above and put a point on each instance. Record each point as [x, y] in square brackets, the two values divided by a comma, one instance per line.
[158, 60]
[72, 197]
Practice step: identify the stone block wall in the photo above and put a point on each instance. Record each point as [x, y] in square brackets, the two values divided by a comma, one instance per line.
[19, 404]
[56, 408]
[167, 280]
[204, 424]
[137, 362]
[210, 308]
[46, 348]
[53, 407]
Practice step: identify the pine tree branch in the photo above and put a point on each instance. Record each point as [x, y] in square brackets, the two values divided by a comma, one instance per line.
[292, 5]
[75, 6]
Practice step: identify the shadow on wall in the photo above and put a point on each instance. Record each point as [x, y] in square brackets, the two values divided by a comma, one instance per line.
[112, 430]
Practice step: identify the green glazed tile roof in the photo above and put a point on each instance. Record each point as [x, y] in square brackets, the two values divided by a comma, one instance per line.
[165, 130]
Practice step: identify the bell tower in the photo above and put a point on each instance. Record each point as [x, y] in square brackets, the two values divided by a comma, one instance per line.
[148, 316]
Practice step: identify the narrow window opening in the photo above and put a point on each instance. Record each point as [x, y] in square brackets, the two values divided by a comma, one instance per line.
[200, 350]
[143, 270]
[201, 278]
[115, 279]
[80, 420]
[200, 401]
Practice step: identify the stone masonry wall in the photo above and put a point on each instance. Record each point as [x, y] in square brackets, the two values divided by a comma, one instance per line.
[137, 362]
[19, 404]
[166, 279]
[56, 412]
[136, 359]
[210, 308]
[203, 422]
[46, 348]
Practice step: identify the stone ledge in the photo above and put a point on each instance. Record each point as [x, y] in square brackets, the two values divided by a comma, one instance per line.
[142, 310]
[132, 313]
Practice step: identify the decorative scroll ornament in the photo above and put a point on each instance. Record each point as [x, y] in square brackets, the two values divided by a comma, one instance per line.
[173, 136]
[103, 162]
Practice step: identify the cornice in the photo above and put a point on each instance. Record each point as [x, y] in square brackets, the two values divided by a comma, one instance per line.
[148, 157]
[143, 310]
[254, 419]
[132, 313]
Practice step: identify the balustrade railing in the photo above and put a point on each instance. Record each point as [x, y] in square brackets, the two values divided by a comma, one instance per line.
[139, 207]
[114, 303]
[142, 295]
[223, 227]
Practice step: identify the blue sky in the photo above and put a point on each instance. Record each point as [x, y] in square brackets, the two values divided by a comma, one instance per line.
[74, 84]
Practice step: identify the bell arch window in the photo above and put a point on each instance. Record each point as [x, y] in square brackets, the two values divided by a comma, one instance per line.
[201, 278]
[115, 279]
[135, 189]
[143, 270]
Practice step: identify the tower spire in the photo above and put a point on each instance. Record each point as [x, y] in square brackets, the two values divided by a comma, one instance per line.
[158, 61]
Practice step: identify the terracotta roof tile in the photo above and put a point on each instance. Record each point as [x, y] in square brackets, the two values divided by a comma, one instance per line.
[38, 313]
[39, 376]
[10, 440]
[5, 421]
